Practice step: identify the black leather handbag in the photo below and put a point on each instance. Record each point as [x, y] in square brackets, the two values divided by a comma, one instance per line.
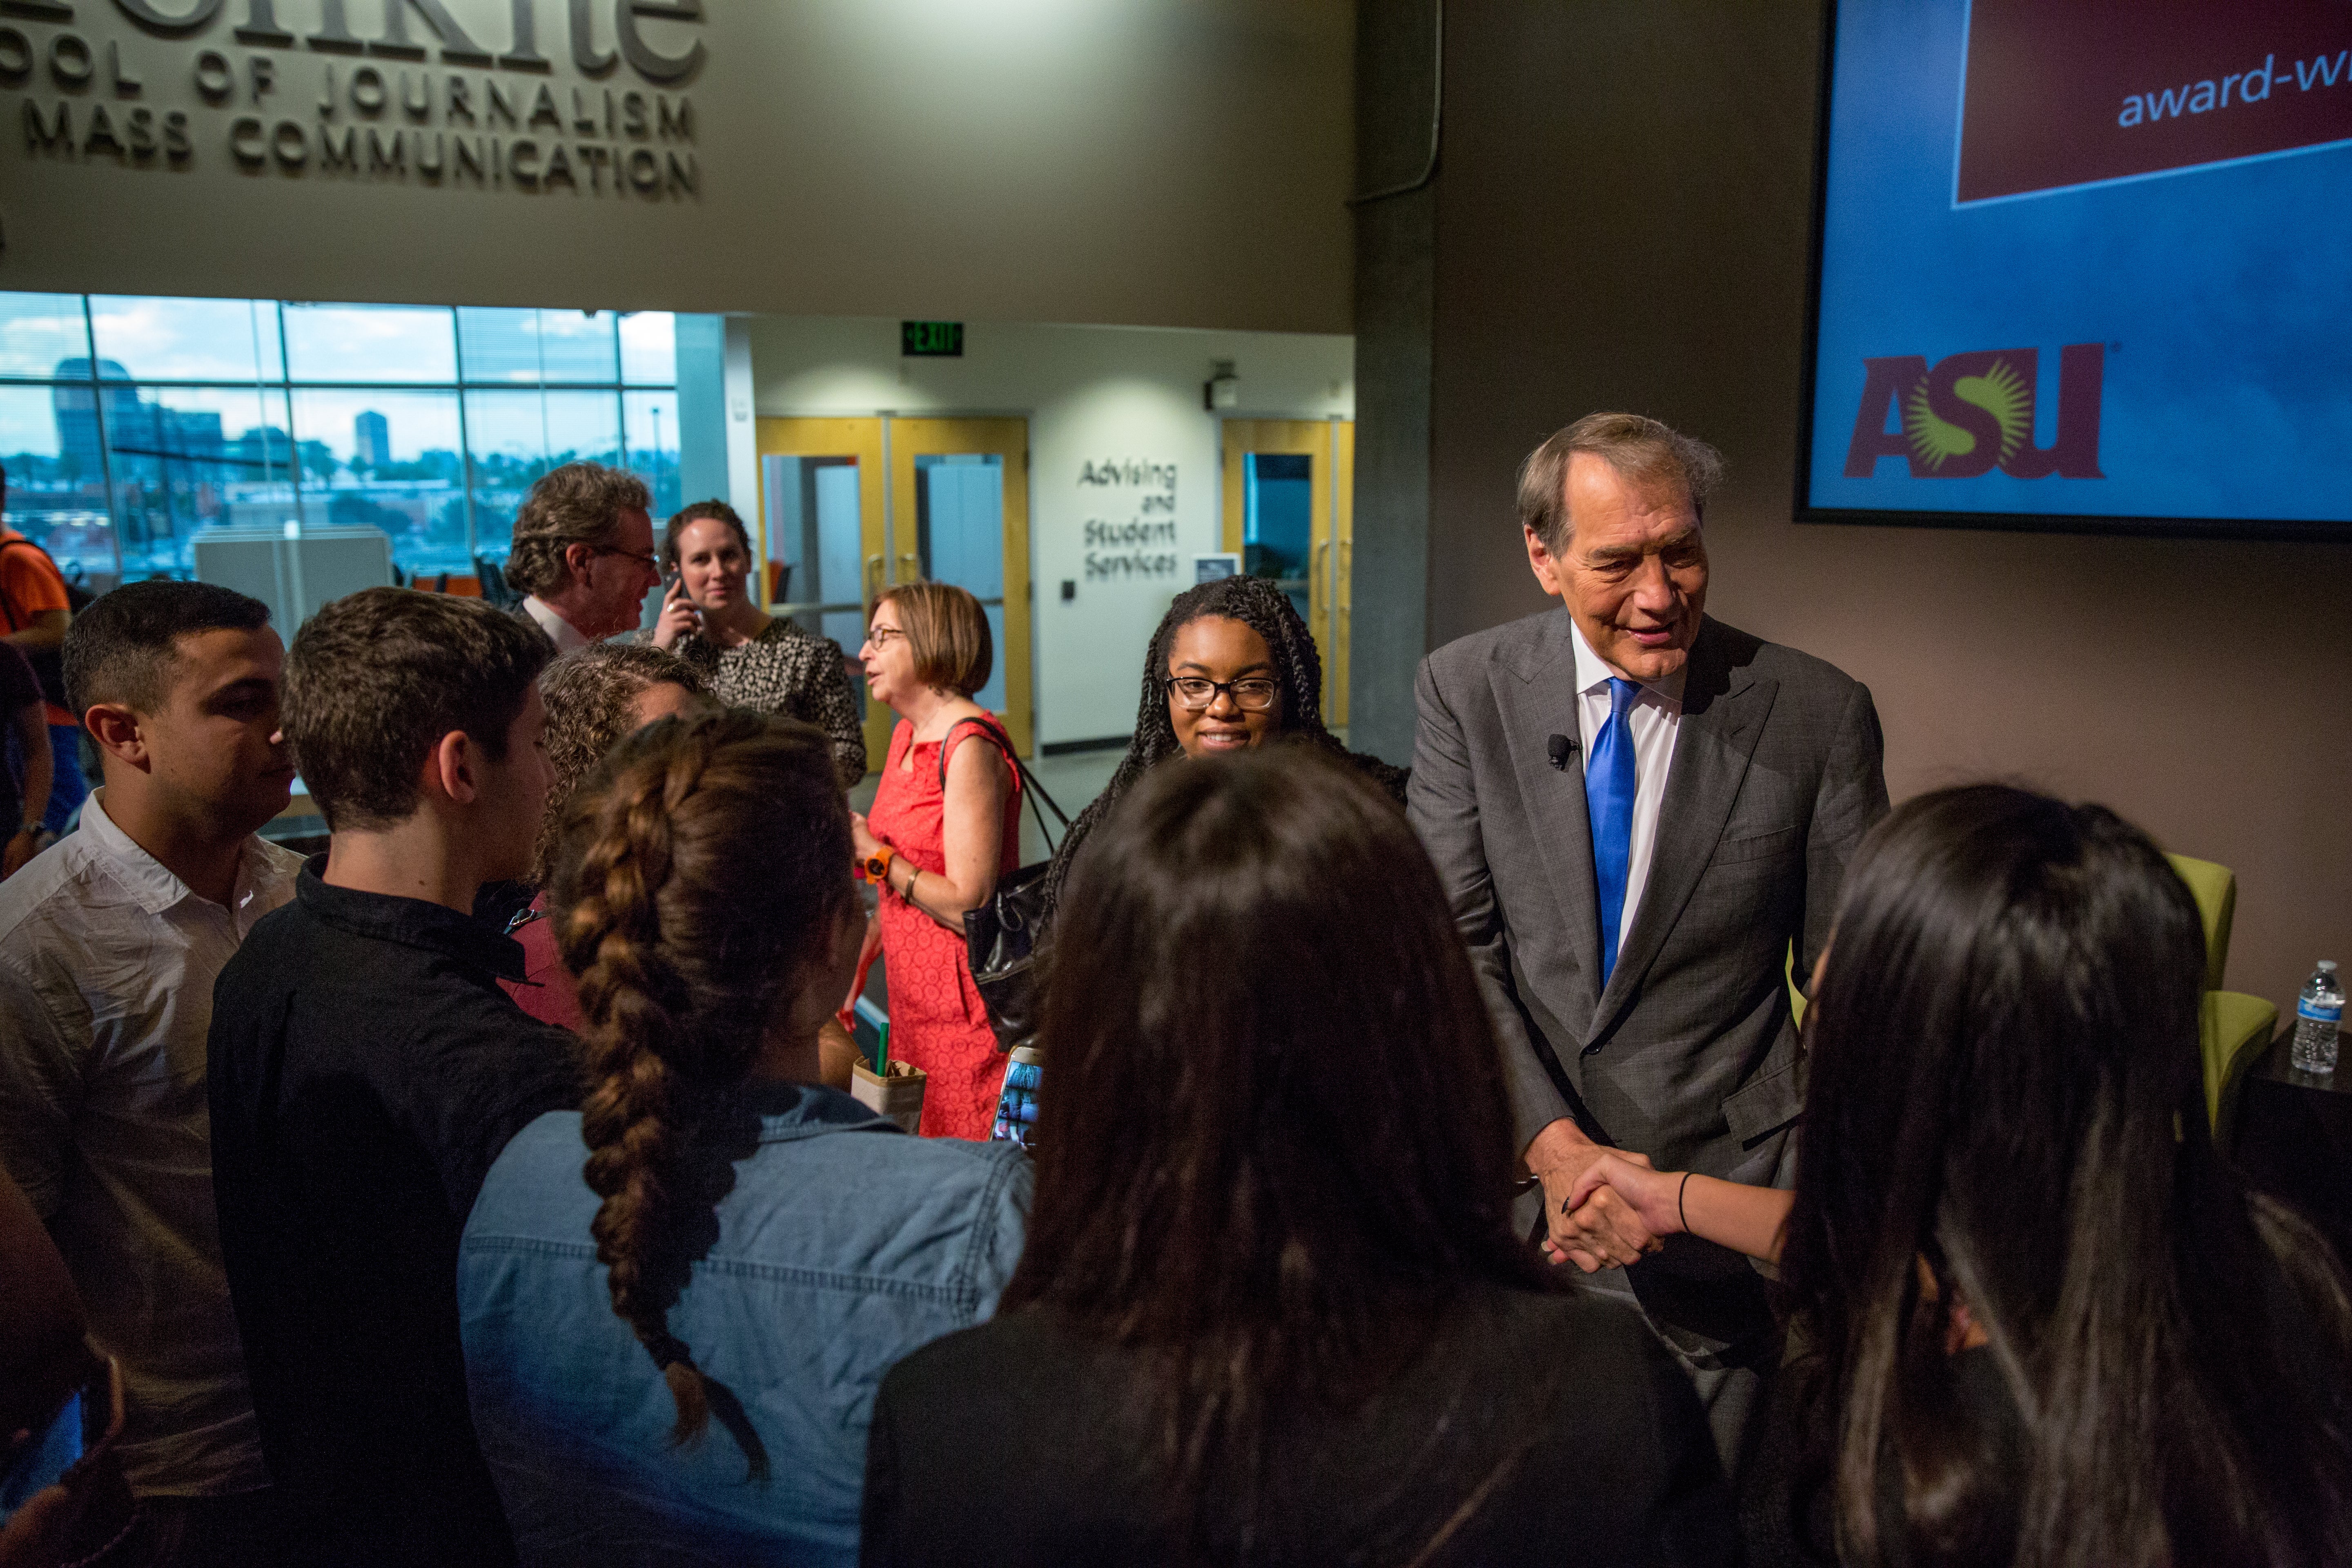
[1001, 936]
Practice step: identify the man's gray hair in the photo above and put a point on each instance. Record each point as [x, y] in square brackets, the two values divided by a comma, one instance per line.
[579, 503]
[1641, 449]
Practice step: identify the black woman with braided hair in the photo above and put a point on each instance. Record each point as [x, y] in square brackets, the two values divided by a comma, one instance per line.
[671, 1353]
[1231, 668]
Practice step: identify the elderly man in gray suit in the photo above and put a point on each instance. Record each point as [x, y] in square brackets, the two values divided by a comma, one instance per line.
[1637, 811]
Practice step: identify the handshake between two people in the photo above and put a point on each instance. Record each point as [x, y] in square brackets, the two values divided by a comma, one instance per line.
[1608, 1207]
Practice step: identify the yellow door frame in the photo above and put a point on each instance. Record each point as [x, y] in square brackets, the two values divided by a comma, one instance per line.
[1343, 575]
[859, 438]
[1007, 440]
[1330, 445]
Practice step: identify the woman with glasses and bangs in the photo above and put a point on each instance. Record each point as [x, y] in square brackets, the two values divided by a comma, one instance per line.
[1231, 668]
[945, 824]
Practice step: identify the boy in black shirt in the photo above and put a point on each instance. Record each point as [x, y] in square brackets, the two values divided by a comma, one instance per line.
[365, 1070]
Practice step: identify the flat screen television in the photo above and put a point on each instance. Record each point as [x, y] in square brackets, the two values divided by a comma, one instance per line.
[2084, 265]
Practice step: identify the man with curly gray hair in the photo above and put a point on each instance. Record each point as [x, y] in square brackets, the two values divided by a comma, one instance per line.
[583, 554]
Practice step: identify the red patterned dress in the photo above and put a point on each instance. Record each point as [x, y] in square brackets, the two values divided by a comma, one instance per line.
[936, 1019]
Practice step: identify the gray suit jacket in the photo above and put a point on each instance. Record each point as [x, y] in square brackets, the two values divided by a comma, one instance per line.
[1689, 1054]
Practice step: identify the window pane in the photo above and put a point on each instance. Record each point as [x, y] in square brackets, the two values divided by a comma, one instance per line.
[582, 426]
[371, 342]
[185, 340]
[499, 345]
[29, 444]
[649, 348]
[577, 347]
[59, 503]
[185, 458]
[390, 460]
[519, 436]
[960, 521]
[526, 347]
[814, 527]
[42, 335]
[652, 446]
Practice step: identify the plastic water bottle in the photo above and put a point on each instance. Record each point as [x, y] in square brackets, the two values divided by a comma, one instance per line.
[2318, 1013]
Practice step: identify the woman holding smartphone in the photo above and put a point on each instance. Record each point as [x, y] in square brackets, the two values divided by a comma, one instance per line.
[747, 657]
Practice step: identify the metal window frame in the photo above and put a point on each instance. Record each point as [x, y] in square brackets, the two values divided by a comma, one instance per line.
[286, 385]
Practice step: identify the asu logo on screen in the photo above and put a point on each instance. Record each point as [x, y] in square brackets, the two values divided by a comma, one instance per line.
[1973, 413]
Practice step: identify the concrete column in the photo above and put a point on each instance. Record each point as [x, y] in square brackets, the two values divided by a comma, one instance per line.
[1396, 84]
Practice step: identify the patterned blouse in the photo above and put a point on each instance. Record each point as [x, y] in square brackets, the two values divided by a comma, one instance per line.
[789, 671]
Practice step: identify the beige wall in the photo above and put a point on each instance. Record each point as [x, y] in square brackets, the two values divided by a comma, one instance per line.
[1624, 222]
[1176, 163]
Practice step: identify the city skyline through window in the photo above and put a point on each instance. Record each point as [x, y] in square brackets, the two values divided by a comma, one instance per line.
[130, 425]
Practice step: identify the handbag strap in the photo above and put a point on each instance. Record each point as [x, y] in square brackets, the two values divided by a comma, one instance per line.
[1029, 785]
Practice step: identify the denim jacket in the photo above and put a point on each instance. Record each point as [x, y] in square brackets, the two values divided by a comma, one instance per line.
[842, 1245]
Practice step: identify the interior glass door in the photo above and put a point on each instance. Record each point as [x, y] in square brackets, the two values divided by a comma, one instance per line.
[1290, 514]
[820, 545]
[960, 514]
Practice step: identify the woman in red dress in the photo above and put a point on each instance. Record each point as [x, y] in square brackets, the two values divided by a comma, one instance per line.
[941, 831]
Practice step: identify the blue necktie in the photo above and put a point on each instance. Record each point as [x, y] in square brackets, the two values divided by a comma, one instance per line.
[1609, 785]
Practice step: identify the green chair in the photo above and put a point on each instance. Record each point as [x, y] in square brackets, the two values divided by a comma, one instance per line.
[2234, 1028]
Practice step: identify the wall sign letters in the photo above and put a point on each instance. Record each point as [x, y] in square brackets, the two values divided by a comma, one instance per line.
[582, 97]
[1142, 543]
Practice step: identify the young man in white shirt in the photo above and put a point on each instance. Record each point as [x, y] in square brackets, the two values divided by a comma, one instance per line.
[109, 943]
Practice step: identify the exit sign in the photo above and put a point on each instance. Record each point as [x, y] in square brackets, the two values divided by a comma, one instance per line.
[930, 340]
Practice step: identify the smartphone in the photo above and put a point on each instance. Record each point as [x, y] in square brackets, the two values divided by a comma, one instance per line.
[81, 1432]
[669, 589]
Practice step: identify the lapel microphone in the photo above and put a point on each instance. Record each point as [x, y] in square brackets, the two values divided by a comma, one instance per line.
[1561, 748]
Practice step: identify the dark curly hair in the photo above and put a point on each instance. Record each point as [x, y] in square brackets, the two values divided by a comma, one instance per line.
[591, 694]
[1265, 609]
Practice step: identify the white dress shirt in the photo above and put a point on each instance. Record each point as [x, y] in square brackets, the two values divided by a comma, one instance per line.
[107, 964]
[1655, 716]
[563, 633]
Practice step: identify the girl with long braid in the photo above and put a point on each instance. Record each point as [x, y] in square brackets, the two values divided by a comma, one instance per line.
[1231, 668]
[744, 1248]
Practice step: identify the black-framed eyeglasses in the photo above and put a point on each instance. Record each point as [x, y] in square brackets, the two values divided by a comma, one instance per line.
[650, 560]
[1251, 693]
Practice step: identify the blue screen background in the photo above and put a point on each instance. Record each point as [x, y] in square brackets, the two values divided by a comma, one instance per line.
[2224, 295]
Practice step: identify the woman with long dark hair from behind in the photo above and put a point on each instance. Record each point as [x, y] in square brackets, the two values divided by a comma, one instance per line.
[1230, 668]
[1273, 1309]
[671, 1358]
[2049, 1326]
